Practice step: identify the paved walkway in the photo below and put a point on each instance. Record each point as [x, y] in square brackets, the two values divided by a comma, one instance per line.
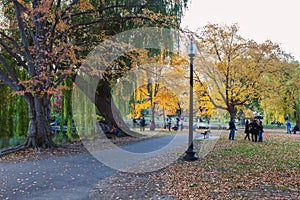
[54, 178]
[70, 177]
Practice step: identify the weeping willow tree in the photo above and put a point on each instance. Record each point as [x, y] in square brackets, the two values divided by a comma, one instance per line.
[163, 14]
[13, 111]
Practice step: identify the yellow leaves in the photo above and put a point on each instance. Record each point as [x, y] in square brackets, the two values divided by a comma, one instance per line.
[203, 102]
[221, 66]
[236, 69]
[163, 99]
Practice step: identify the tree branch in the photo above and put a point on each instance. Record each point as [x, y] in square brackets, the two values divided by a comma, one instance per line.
[7, 68]
[122, 19]
[5, 80]
[13, 41]
[13, 54]
[24, 38]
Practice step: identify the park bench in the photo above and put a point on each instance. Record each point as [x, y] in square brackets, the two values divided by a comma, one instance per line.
[295, 130]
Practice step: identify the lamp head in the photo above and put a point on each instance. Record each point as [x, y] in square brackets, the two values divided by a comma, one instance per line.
[192, 48]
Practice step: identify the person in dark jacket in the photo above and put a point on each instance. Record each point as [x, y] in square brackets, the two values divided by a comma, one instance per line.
[254, 130]
[232, 129]
[142, 124]
[247, 130]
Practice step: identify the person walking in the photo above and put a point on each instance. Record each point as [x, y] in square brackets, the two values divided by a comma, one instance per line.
[232, 129]
[260, 129]
[151, 125]
[134, 123]
[181, 124]
[142, 124]
[288, 127]
[247, 130]
[169, 123]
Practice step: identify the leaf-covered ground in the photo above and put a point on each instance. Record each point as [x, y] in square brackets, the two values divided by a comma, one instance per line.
[239, 169]
[62, 150]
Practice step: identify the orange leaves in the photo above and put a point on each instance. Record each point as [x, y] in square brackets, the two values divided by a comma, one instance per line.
[240, 169]
[162, 97]
[84, 5]
[63, 87]
[61, 25]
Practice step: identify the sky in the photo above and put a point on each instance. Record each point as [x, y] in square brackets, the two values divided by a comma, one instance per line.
[260, 20]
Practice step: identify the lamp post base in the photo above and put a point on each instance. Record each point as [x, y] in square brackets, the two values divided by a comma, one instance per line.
[190, 154]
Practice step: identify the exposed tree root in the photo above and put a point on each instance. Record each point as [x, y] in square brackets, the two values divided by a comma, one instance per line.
[12, 150]
[30, 142]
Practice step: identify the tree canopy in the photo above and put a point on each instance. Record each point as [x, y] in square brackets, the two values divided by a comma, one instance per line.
[236, 69]
[47, 41]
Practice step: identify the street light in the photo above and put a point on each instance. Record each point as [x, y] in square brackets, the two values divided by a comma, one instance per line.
[190, 152]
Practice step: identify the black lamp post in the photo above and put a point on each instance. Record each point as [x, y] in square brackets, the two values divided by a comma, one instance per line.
[190, 152]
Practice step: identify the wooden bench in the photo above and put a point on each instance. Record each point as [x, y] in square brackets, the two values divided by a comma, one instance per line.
[295, 132]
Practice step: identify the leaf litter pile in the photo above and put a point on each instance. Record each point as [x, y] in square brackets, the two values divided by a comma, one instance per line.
[239, 169]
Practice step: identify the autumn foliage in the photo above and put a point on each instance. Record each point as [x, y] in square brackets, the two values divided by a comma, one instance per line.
[239, 169]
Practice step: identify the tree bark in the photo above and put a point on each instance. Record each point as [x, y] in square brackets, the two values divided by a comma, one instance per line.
[152, 116]
[298, 122]
[39, 131]
[109, 111]
[232, 111]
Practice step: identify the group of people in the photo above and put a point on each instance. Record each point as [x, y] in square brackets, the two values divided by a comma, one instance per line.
[255, 128]
[289, 129]
[177, 125]
[141, 123]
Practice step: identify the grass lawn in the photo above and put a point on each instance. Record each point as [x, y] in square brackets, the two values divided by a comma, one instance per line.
[239, 169]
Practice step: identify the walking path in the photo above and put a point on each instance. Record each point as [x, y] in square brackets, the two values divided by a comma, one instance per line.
[54, 178]
[73, 177]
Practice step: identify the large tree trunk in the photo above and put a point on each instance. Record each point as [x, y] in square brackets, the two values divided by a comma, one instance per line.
[39, 131]
[108, 109]
[153, 116]
[298, 122]
[232, 111]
